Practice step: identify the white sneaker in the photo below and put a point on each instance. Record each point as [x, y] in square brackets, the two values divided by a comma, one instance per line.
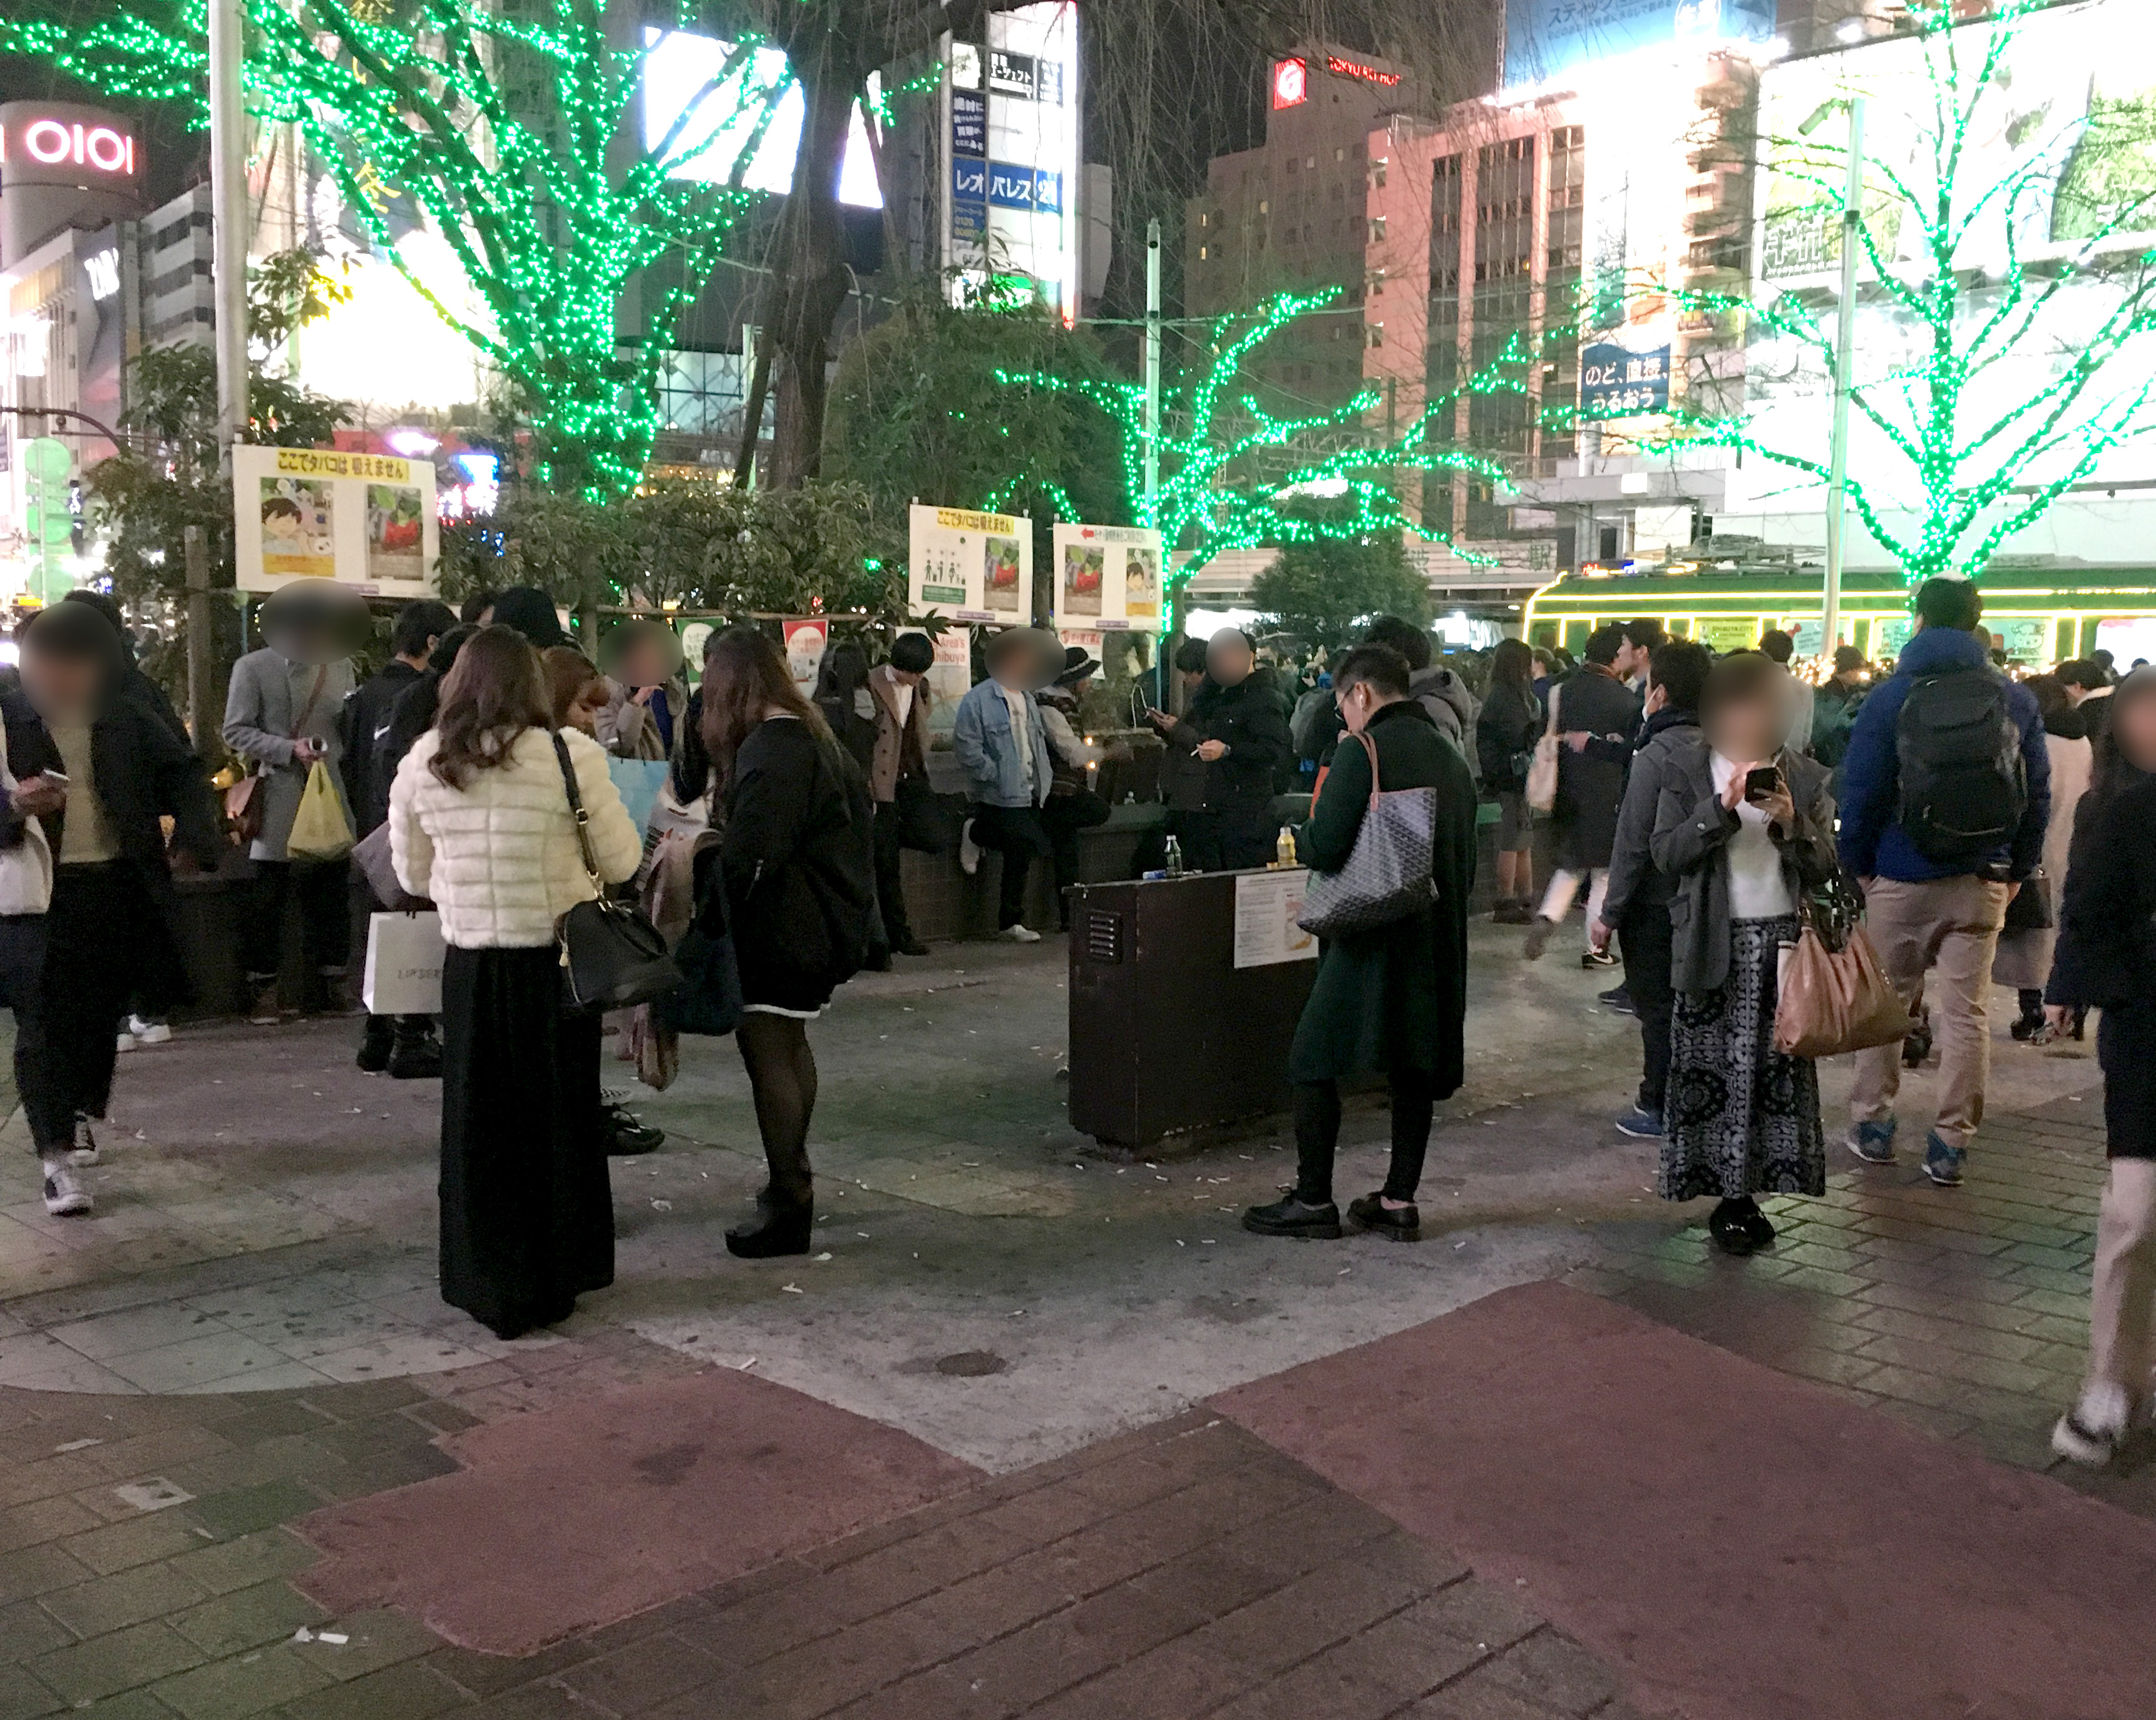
[126, 1041]
[1019, 934]
[969, 851]
[64, 1197]
[149, 1033]
[2092, 1432]
[85, 1142]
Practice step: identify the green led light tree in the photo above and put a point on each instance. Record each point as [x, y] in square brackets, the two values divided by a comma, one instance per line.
[515, 130]
[1234, 476]
[2008, 295]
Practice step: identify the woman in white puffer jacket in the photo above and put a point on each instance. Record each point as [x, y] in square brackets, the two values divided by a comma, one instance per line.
[479, 823]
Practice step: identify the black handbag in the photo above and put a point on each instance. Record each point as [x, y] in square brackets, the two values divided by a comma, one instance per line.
[2030, 910]
[612, 956]
[925, 823]
[709, 1000]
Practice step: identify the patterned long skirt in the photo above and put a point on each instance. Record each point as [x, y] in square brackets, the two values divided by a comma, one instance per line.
[1741, 1118]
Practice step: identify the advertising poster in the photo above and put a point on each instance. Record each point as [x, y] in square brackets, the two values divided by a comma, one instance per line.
[1267, 906]
[365, 520]
[806, 641]
[970, 566]
[298, 521]
[950, 676]
[1107, 578]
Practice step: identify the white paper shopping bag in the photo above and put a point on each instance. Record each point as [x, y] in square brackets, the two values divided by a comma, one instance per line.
[404, 954]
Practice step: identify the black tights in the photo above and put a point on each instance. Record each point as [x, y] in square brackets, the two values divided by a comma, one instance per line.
[782, 1075]
[1317, 1135]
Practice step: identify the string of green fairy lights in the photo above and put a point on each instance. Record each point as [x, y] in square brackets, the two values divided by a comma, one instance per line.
[507, 133]
[1968, 321]
[1206, 504]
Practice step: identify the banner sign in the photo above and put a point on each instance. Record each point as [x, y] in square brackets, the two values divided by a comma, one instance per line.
[1616, 381]
[1108, 579]
[970, 566]
[367, 519]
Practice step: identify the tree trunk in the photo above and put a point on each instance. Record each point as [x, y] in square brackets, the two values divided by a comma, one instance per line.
[814, 280]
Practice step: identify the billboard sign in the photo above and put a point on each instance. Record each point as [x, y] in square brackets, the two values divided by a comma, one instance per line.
[1020, 131]
[365, 520]
[1569, 42]
[1108, 579]
[970, 566]
[1617, 382]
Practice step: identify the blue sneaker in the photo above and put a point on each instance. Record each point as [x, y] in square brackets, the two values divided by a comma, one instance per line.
[1943, 1163]
[1873, 1142]
[1641, 1124]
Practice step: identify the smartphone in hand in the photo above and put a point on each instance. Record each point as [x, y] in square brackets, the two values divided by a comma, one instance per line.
[1759, 784]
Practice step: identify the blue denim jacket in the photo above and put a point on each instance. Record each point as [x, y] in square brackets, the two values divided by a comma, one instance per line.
[983, 740]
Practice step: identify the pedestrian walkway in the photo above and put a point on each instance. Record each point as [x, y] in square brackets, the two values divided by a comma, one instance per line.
[996, 1291]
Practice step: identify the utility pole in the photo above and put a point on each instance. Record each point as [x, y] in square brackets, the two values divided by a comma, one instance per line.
[204, 705]
[1844, 349]
[1152, 448]
[228, 219]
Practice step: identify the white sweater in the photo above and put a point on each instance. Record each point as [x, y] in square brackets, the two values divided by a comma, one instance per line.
[499, 858]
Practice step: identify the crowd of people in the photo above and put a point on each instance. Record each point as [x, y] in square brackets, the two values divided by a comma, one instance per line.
[1996, 831]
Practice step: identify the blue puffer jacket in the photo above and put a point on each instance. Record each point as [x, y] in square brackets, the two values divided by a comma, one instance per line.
[1872, 842]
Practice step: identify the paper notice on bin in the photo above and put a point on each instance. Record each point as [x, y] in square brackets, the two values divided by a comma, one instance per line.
[1266, 906]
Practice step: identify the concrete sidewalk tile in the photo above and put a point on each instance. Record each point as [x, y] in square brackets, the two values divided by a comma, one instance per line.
[244, 1509]
[244, 1685]
[378, 1637]
[490, 1676]
[636, 1679]
[127, 1597]
[246, 1618]
[400, 1692]
[26, 1629]
[37, 1570]
[23, 1697]
[219, 1567]
[105, 1666]
[1171, 1682]
[44, 1520]
[1553, 1672]
[979, 1609]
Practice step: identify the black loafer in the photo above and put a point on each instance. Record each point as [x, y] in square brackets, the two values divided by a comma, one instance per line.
[1760, 1229]
[1289, 1217]
[1402, 1224]
[1731, 1234]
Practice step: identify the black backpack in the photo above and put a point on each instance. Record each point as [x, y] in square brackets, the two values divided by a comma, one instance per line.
[1963, 785]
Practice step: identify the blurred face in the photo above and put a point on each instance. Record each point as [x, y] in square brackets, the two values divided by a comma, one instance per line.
[644, 663]
[60, 688]
[1748, 731]
[1229, 660]
[2134, 723]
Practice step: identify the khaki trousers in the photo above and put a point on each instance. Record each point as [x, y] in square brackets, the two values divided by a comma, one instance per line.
[2123, 1300]
[1949, 926]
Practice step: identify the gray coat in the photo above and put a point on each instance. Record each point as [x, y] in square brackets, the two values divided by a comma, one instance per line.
[1633, 878]
[1692, 827]
[261, 720]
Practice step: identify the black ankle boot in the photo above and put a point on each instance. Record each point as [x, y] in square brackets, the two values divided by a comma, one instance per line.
[377, 1043]
[1730, 1226]
[780, 1227]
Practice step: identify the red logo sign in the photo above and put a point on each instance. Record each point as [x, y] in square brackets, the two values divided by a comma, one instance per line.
[1355, 69]
[53, 143]
[1291, 83]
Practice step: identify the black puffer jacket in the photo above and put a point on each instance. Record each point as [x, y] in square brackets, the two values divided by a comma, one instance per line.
[2105, 954]
[1248, 719]
[1505, 736]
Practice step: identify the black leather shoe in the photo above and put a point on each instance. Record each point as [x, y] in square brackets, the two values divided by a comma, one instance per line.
[910, 946]
[776, 1230]
[624, 1135]
[1730, 1226]
[377, 1043]
[1401, 1223]
[416, 1058]
[1760, 1229]
[1289, 1216]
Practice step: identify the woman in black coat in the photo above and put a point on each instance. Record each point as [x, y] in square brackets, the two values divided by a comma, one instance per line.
[1505, 736]
[2106, 957]
[797, 862]
[1391, 999]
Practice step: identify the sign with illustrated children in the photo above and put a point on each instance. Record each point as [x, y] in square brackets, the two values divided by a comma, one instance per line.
[365, 520]
[1108, 579]
[970, 566]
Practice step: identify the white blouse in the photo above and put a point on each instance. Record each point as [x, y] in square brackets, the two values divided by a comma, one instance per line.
[1758, 890]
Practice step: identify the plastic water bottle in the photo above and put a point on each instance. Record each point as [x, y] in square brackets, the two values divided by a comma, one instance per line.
[1284, 849]
[1175, 858]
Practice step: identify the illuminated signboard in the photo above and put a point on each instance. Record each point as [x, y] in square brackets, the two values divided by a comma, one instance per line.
[1549, 40]
[1291, 83]
[711, 102]
[1615, 381]
[1340, 68]
[68, 143]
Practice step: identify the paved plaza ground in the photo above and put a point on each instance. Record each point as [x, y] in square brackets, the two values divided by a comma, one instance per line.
[1038, 1428]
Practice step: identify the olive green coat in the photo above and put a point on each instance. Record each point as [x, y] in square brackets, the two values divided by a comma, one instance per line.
[1393, 998]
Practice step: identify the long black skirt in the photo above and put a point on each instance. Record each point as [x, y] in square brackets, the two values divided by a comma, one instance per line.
[527, 1213]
